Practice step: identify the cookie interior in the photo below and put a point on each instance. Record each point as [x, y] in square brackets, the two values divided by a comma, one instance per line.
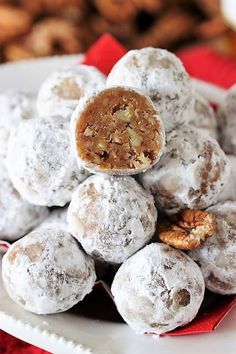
[119, 130]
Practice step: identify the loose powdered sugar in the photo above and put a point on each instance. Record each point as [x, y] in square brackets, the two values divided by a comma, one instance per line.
[217, 256]
[112, 217]
[40, 162]
[158, 289]
[161, 76]
[47, 272]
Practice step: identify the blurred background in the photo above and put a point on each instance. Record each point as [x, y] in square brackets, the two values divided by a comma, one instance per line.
[33, 28]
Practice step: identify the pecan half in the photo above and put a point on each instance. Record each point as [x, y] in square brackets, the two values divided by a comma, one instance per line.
[187, 229]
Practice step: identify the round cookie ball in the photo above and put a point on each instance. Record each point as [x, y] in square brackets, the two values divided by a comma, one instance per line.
[201, 115]
[217, 256]
[161, 76]
[112, 217]
[47, 272]
[56, 219]
[229, 191]
[60, 93]
[15, 107]
[17, 216]
[117, 131]
[158, 289]
[227, 122]
[191, 173]
[40, 162]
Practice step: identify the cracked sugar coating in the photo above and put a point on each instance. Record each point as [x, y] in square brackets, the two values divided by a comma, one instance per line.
[227, 122]
[158, 289]
[191, 173]
[217, 256]
[41, 164]
[201, 115]
[56, 219]
[161, 76]
[112, 217]
[229, 191]
[15, 107]
[47, 272]
[62, 90]
[118, 131]
[17, 216]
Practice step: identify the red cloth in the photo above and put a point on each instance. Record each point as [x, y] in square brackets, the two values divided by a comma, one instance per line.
[207, 64]
[208, 319]
[104, 53]
[203, 63]
[12, 345]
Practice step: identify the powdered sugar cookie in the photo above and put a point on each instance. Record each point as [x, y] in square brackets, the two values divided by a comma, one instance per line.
[191, 173]
[40, 161]
[62, 90]
[47, 272]
[158, 289]
[161, 76]
[112, 217]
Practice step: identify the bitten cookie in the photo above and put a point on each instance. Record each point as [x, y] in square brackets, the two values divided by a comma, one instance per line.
[15, 107]
[17, 216]
[112, 217]
[62, 90]
[158, 289]
[217, 256]
[161, 76]
[191, 173]
[41, 164]
[47, 272]
[117, 131]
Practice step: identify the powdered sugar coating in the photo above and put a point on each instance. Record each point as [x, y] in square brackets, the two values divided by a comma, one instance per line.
[161, 76]
[40, 162]
[15, 107]
[17, 216]
[227, 122]
[201, 115]
[56, 219]
[229, 191]
[217, 256]
[112, 217]
[61, 91]
[47, 272]
[158, 289]
[191, 173]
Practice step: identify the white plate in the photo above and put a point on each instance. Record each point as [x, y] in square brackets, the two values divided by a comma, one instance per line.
[68, 333]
